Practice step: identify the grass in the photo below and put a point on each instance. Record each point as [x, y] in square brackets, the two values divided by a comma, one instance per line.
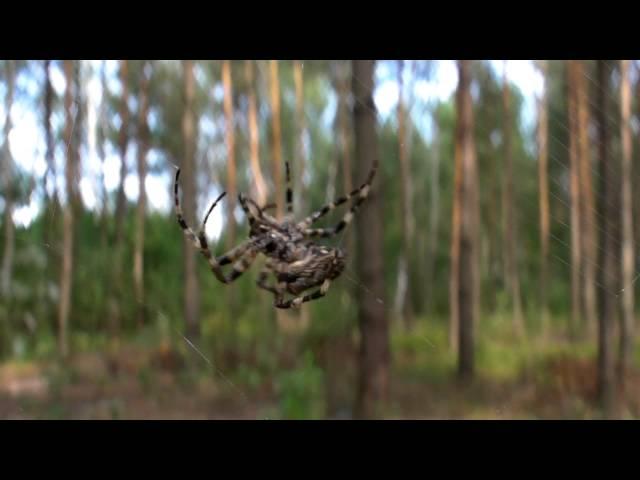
[284, 379]
[532, 378]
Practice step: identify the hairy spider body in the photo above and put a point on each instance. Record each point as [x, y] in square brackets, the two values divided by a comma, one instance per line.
[297, 263]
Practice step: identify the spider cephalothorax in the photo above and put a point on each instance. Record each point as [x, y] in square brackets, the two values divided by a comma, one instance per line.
[296, 262]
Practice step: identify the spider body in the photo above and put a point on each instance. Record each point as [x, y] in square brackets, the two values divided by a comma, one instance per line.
[296, 262]
[316, 264]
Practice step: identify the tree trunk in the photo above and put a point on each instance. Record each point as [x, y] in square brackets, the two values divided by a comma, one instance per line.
[434, 219]
[116, 287]
[100, 142]
[298, 167]
[588, 231]
[576, 251]
[301, 128]
[188, 177]
[232, 193]
[123, 143]
[373, 383]
[345, 128]
[510, 241]
[609, 258]
[51, 230]
[404, 305]
[8, 193]
[636, 166]
[66, 271]
[495, 225]
[283, 319]
[340, 347]
[543, 192]
[6, 174]
[48, 135]
[254, 138]
[277, 138]
[628, 254]
[143, 148]
[454, 285]
[78, 132]
[231, 154]
[415, 293]
[468, 295]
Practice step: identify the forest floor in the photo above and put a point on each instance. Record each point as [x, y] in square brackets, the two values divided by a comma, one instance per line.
[532, 382]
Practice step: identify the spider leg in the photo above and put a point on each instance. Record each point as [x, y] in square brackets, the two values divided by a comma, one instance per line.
[200, 242]
[245, 254]
[346, 220]
[189, 233]
[289, 191]
[361, 192]
[262, 280]
[297, 301]
[279, 289]
[242, 265]
[254, 213]
[244, 203]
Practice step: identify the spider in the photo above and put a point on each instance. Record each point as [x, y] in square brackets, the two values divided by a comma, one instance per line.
[297, 263]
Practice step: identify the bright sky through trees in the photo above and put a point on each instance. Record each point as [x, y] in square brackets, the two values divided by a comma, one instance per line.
[27, 139]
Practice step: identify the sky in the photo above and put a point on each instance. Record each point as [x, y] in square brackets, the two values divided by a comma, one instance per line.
[26, 139]
[522, 73]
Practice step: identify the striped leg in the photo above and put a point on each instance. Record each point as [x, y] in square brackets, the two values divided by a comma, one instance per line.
[262, 280]
[296, 302]
[360, 192]
[289, 191]
[254, 213]
[190, 234]
[244, 253]
[346, 220]
[242, 265]
[279, 289]
[245, 202]
[200, 242]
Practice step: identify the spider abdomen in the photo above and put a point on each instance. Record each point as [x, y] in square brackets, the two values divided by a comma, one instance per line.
[319, 264]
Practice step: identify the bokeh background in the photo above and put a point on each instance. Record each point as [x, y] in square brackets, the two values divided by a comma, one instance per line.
[491, 273]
